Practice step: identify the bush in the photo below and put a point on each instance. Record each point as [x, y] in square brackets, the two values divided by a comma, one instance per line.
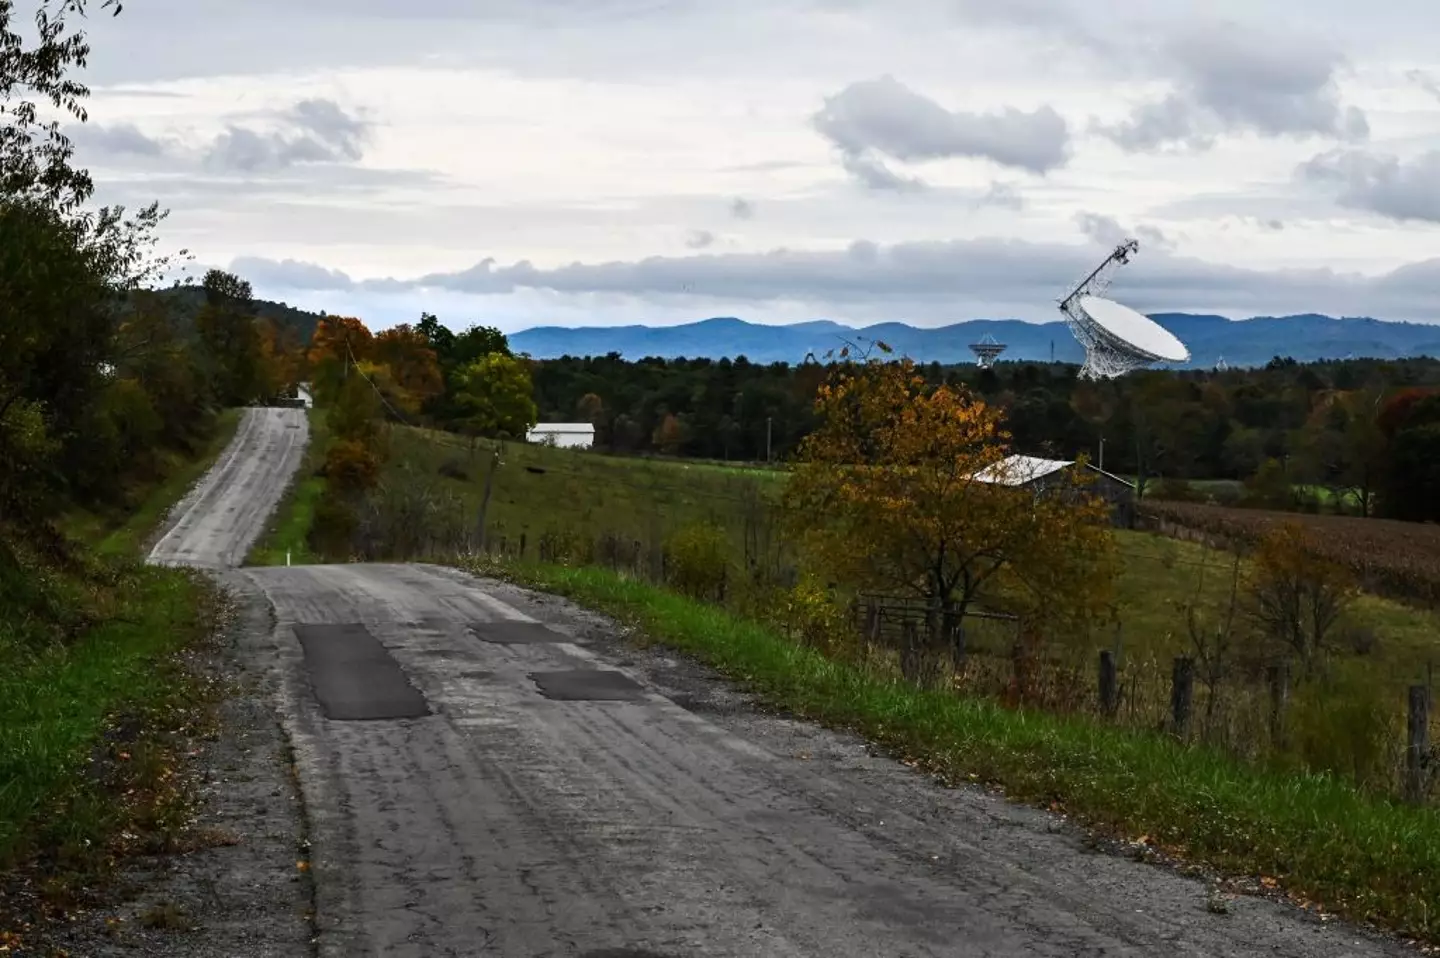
[333, 530]
[1344, 726]
[350, 466]
[697, 562]
[809, 614]
[454, 469]
[1176, 490]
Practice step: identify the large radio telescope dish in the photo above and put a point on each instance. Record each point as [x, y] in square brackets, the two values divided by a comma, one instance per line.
[986, 351]
[1117, 339]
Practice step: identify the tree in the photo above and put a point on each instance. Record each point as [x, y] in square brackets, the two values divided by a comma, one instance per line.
[886, 495]
[412, 365]
[493, 396]
[231, 339]
[338, 342]
[34, 154]
[669, 436]
[1296, 596]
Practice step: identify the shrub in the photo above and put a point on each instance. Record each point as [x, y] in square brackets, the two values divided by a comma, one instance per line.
[454, 469]
[1176, 490]
[697, 562]
[350, 466]
[808, 613]
[1343, 726]
[333, 529]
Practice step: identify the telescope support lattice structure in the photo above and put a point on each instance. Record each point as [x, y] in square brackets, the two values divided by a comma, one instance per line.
[986, 351]
[1105, 356]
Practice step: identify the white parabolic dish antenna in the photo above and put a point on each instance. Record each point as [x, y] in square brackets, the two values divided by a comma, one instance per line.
[1134, 331]
[1116, 338]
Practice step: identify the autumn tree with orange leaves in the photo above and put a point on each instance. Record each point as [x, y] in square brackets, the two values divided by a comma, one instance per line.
[338, 342]
[885, 497]
[413, 366]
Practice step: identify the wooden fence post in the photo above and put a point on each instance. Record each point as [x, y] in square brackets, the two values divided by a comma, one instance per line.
[1417, 751]
[1182, 693]
[910, 651]
[958, 650]
[522, 545]
[1278, 678]
[1109, 684]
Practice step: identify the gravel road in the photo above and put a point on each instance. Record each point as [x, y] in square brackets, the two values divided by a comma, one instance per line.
[216, 524]
[557, 801]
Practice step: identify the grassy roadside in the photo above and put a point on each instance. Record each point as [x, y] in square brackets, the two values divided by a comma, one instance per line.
[1364, 858]
[91, 712]
[289, 528]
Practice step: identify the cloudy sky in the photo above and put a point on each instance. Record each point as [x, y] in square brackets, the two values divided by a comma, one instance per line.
[596, 162]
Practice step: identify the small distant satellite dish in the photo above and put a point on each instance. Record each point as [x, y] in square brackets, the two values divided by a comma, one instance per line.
[1116, 338]
[986, 351]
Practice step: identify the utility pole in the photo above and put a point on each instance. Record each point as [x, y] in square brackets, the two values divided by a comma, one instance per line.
[1102, 453]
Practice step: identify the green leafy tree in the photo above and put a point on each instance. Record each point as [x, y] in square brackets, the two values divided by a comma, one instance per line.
[231, 337]
[493, 396]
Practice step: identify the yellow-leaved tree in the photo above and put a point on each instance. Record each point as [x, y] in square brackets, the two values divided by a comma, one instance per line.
[889, 495]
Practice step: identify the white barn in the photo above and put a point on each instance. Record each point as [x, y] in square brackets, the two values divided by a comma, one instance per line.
[566, 435]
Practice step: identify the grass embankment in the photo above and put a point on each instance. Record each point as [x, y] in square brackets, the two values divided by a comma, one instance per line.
[91, 684]
[1324, 840]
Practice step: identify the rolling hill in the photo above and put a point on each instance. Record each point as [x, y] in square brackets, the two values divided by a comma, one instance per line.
[1249, 342]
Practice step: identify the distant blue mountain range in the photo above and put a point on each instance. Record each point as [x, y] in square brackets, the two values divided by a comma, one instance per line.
[1248, 342]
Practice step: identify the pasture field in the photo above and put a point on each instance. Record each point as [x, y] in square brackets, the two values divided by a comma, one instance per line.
[539, 490]
[1396, 559]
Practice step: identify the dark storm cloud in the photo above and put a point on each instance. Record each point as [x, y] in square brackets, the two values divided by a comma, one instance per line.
[1231, 79]
[883, 117]
[1398, 189]
[866, 273]
[313, 131]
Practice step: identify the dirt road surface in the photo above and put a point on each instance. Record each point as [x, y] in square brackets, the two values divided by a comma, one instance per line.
[216, 524]
[488, 772]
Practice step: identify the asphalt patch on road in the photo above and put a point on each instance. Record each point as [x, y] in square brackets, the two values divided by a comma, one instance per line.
[517, 633]
[354, 677]
[587, 685]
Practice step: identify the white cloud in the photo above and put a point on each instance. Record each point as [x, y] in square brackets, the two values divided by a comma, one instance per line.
[409, 140]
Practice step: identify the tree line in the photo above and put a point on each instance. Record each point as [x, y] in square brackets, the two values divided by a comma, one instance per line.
[1359, 429]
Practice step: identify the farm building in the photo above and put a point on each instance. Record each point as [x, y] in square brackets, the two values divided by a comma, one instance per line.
[1039, 474]
[566, 435]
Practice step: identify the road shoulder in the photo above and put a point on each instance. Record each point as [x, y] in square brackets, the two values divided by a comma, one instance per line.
[245, 889]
